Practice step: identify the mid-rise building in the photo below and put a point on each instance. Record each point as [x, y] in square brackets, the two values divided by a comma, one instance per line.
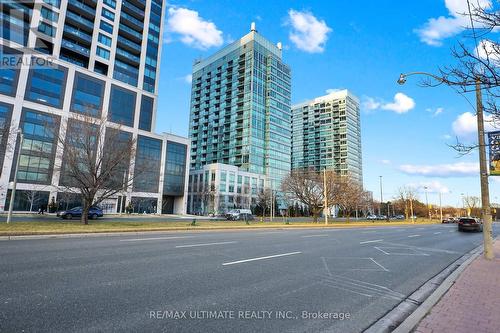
[240, 115]
[327, 134]
[61, 58]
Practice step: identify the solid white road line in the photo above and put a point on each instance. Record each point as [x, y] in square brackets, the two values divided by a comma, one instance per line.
[260, 258]
[205, 244]
[372, 241]
[153, 238]
[437, 233]
[385, 269]
[307, 236]
[411, 236]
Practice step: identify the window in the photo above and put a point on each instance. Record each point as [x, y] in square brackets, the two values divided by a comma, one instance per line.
[38, 147]
[146, 116]
[147, 164]
[122, 106]
[55, 3]
[8, 74]
[175, 169]
[46, 86]
[47, 29]
[110, 3]
[104, 40]
[105, 26]
[103, 53]
[87, 95]
[108, 14]
[49, 15]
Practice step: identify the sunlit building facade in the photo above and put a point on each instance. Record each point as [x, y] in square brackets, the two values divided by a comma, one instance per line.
[98, 57]
[240, 113]
[326, 134]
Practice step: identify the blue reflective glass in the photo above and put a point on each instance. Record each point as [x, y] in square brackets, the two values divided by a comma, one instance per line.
[122, 106]
[146, 116]
[46, 85]
[87, 95]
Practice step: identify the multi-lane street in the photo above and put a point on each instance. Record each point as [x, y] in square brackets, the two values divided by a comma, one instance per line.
[246, 281]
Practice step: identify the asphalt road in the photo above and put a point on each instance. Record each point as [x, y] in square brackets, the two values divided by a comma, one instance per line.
[246, 281]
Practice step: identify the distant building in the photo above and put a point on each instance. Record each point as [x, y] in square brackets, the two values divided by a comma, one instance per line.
[326, 133]
[240, 116]
[92, 56]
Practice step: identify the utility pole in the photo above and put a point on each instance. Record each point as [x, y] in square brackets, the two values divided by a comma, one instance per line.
[381, 198]
[483, 170]
[440, 207]
[14, 184]
[427, 203]
[325, 192]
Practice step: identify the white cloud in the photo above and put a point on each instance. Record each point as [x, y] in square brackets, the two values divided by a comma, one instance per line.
[188, 78]
[465, 126]
[489, 50]
[308, 33]
[194, 30]
[401, 104]
[430, 187]
[435, 112]
[333, 90]
[460, 169]
[386, 162]
[437, 29]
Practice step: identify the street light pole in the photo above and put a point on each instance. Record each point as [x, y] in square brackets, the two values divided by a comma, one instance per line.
[427, 203]
[325, 192]
[440, 207]
[14, 184]
[483, 169]
[381, 198]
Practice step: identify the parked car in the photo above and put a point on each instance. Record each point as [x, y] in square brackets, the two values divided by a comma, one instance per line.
[239, 215]
[371, 217]
[448, 220]
[470, 223]
[399, 217]
[94, 213]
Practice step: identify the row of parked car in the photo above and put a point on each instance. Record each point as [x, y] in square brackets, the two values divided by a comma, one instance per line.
[384, 217]
[466, 223]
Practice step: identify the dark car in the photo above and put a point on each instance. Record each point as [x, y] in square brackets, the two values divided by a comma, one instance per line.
[94, 213]
[470, 223]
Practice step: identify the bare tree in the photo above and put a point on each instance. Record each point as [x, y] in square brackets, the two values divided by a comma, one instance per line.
[407, 195]
[471, 203]
[264, 198]
[307, 187]
[96, 160]
[33, 197]
[349, 195]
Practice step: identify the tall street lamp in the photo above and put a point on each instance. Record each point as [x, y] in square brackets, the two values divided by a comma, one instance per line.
[427, 203]
[381, 198]
[483, 170]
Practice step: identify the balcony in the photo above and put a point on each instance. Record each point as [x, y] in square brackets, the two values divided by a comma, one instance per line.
[80, 21]
[75, 47]
[78, 34]
[132, 21]
[127, 56]
[129, 45]
[129, 32]
[132, 9]
[81, 8]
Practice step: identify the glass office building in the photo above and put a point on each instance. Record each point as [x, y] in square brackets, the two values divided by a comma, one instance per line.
[61, 58]
[326, 133]
[240, 111]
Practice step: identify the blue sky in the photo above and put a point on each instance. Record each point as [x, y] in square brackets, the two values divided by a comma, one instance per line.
[357, 45]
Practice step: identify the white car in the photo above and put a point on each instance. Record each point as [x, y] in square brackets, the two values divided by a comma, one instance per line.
[235, 214]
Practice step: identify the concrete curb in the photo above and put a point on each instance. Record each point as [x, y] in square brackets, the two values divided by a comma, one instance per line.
[407, 314]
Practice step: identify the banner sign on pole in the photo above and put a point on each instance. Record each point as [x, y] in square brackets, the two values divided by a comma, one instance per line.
[494, 144]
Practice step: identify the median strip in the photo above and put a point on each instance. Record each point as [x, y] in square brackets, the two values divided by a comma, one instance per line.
[204, 244]
[153, 238]
[260, 258]
[372, 241]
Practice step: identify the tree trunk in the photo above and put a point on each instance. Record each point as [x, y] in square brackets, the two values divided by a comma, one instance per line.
[85, 213]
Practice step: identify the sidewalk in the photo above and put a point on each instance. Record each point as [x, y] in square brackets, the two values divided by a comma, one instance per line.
[472, 304]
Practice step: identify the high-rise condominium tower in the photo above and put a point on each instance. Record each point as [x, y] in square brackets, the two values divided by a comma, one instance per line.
[65, 57]
[240, 117]
[327, 134]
